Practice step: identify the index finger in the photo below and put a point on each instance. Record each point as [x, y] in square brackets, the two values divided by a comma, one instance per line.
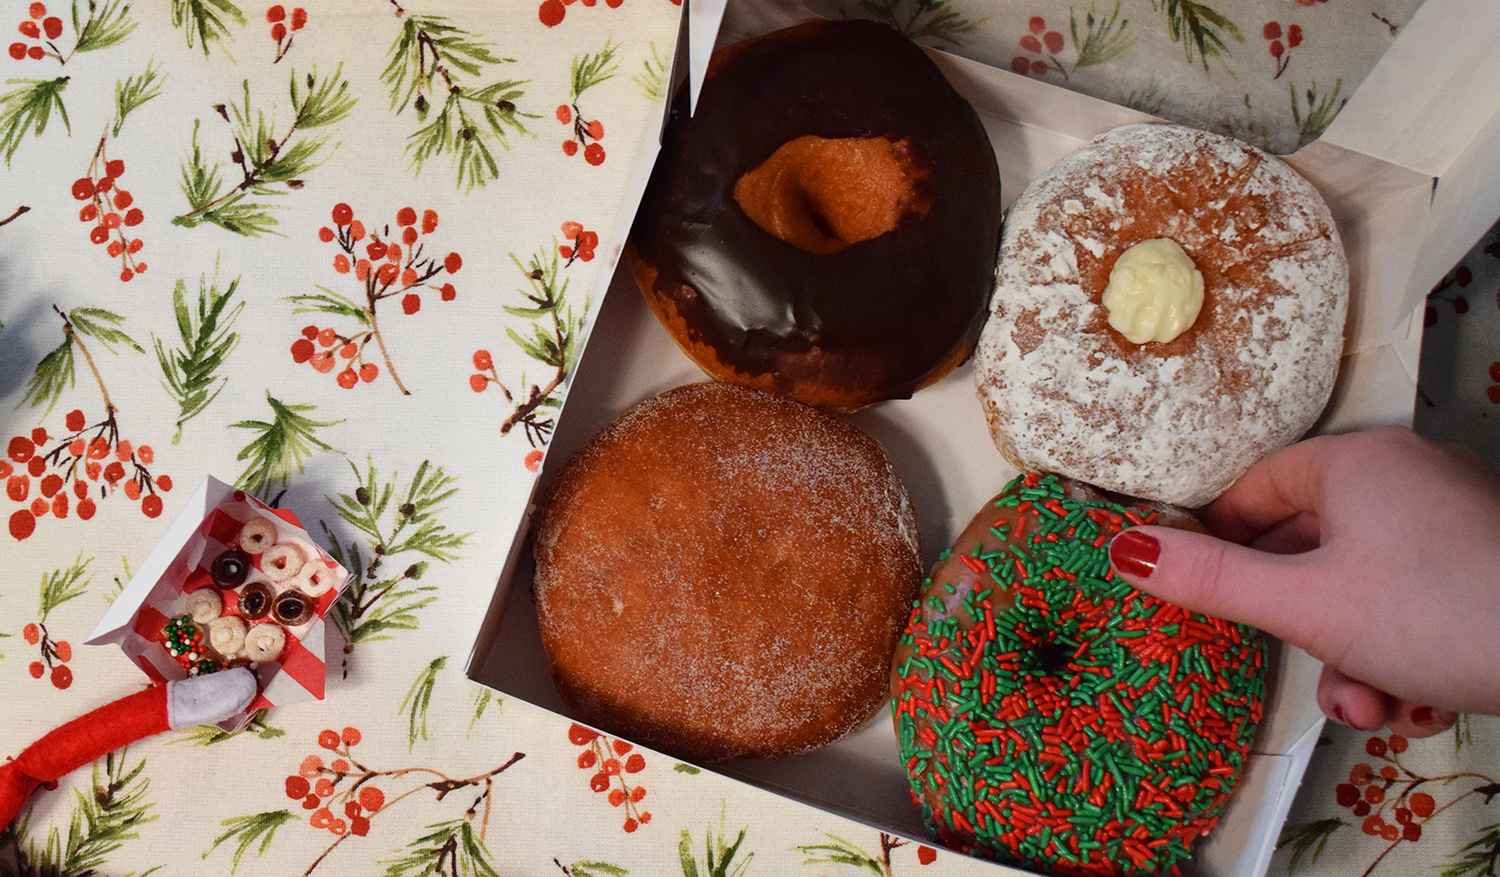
[1279, 488]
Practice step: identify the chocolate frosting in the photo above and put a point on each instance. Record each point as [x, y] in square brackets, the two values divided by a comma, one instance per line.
[889, 311]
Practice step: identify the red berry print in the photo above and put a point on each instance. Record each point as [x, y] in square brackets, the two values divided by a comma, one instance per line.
[551, 12]
[89, 462]
[391, 260]
[106, 225]
[586, 134]
[284, 30]
[1041, 46]
[1280, 42]
[610, 778]
[581, 243]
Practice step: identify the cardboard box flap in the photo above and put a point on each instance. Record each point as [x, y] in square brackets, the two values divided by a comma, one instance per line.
[1432, 105]
[117, 620]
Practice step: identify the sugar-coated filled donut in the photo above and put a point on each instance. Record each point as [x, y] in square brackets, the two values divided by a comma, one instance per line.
[825, 225]
[1176, 421]
[1050, 714]
[723, 572]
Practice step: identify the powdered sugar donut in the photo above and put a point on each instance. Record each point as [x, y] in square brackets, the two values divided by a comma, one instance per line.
[1174, 421]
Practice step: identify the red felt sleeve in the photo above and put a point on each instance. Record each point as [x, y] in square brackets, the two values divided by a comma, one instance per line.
[85, 739]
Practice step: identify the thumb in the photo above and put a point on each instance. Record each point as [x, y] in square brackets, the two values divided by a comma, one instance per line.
[1277, 593]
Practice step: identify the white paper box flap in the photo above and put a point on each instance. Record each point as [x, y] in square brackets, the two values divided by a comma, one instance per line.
[116, 623]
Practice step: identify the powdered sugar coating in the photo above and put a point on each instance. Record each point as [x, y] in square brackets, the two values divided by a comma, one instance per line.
[723, 572]
[1174, 422]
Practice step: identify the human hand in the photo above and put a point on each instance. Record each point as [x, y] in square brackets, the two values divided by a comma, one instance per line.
[1377, 552]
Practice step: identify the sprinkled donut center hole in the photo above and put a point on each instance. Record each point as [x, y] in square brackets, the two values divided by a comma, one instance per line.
[1052, 656]
[821, 195]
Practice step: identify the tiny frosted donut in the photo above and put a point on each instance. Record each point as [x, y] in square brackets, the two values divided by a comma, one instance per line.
[315, 579]
[227, 635]
[230, 568]
[292, 608]
[1051, 715]
[255, 601]
[281, 562]
[204, 605]
[257, 535]
[265, 642]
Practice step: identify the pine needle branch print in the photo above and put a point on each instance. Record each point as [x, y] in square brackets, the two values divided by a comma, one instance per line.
[433, 57]
[450, 848]
[107, 25]
[133, 92]
[419, 699]
[281, 446]
[923, 19]
[29, 107]
[394, 520]
[270, 162]
[246, 830]
[105, 817]
[191, 372]
[1198, 27]
[203, 21]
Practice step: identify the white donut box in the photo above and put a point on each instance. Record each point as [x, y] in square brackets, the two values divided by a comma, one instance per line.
[1408, 168]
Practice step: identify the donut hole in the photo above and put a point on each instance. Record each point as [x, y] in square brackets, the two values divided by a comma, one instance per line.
[1052, 657]
[821, 195]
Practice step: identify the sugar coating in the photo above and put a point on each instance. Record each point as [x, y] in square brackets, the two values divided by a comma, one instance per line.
[1175, 422]
[723, 572]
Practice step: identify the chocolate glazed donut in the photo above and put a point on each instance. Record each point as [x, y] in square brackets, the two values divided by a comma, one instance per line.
[882, 189]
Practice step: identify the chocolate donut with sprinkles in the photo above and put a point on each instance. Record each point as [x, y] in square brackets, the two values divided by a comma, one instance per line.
[1053, 716]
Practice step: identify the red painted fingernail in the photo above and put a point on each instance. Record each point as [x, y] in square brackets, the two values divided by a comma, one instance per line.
[1134, 553]
[1429, 716]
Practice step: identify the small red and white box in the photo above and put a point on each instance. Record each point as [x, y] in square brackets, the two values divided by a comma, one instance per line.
[233, 582]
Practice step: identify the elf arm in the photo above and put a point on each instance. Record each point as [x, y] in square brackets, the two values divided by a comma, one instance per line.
[181, 704]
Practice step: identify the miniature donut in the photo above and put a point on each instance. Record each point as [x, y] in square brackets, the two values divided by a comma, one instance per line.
[825, 224]
[230, 569]
[257, 535]
[315, 579]
[265, 642]
[227, 635]
[254, 601]
[292, 608]
[723, 572]
[204, 605]
[282, 561]
[1051, 715]
[183, 640]
[1176, 421]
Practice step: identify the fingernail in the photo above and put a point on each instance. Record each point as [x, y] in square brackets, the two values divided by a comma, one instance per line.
[1134, 553]
[1426, 715]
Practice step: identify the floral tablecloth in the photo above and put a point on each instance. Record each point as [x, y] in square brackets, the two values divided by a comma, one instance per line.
[344, 255]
